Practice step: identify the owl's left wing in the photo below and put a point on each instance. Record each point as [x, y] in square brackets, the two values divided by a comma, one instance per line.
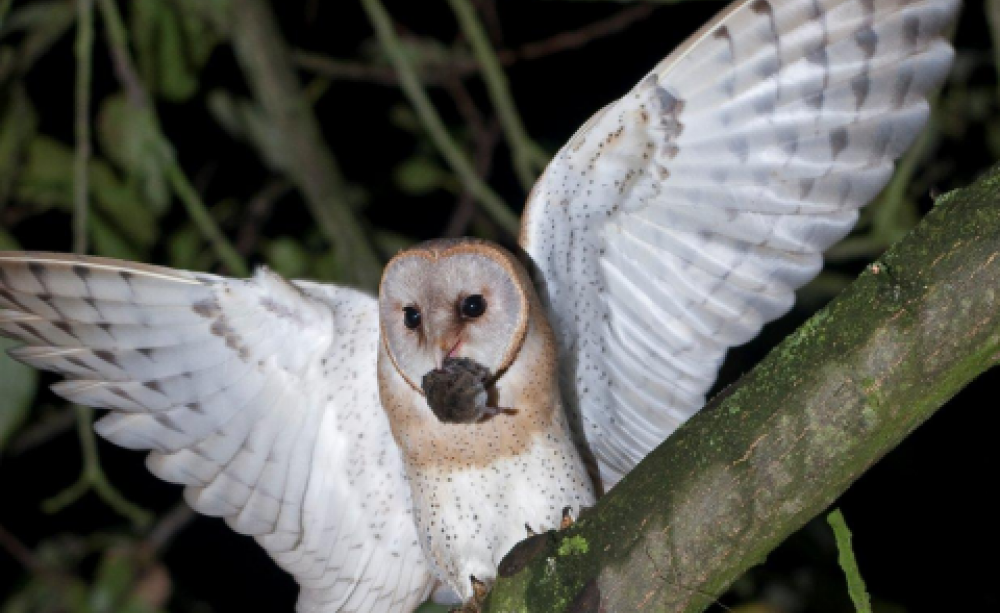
[258, 395]
[682, 218]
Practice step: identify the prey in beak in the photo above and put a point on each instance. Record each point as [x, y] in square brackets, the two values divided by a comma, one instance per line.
[457, 391]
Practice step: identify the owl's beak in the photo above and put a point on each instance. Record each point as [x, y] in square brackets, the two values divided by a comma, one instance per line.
[445, 350]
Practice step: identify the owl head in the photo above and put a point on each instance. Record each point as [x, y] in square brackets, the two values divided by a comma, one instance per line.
[453, 298]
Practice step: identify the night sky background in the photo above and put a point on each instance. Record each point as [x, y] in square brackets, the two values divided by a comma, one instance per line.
[925, 535]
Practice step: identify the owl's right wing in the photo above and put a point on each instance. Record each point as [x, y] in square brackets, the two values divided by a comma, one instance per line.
[684, 216]
[260, 396]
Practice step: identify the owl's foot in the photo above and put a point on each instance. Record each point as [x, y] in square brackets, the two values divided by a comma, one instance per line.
[530, 530]
[479, 592]
[567, 518]
[479, 589]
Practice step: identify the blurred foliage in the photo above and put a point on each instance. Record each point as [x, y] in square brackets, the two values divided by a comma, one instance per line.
[123, 579]
[18, 383]
[176, 63]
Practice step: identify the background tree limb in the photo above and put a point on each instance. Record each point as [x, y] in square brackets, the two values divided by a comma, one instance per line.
[264, 56]
[781, 444]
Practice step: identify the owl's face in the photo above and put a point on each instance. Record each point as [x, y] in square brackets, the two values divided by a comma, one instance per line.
[452, 298]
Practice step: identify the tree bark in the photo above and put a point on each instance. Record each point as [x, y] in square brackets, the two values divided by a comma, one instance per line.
[777, 447]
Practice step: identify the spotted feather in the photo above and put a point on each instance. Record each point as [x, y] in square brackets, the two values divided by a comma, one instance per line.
[259, 396]
[682, 218]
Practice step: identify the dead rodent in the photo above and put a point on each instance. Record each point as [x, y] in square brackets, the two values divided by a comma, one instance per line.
[457, 392]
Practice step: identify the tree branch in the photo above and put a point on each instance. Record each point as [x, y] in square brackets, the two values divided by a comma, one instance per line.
[264, 57]
[781, 444]
[181, 186]
[492, 203]
[528, 159]
[437, 73]
[84, 55]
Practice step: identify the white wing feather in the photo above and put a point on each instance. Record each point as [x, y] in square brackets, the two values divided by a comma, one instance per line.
[259, 396]
[682, 218]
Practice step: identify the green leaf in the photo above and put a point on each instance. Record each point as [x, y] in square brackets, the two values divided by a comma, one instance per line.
[245, 121]
[419, 175]
[189, 251]
[422, 52]
[403, 117]
[130, 138]
[115, 576]
[111, 243]
[7, 241]
[287, 257]
[172, 45]
[390, 243]
[47, 181]
[18, 123]
[19, 384]
[855, 584]
[43, 23]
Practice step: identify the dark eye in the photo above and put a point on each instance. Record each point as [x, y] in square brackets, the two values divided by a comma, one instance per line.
[411, 317]
[473, 306]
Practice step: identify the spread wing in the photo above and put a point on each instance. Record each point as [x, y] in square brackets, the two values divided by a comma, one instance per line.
[682, 218]
[259, 396]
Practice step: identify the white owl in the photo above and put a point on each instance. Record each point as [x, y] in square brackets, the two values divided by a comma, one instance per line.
[678, 221]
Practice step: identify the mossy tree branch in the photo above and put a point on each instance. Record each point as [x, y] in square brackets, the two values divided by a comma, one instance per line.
[778, 446]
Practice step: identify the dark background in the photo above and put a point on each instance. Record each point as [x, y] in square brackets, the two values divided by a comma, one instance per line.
[925, 534]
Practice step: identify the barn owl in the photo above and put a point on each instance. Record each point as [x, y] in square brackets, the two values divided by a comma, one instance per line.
[672, 226]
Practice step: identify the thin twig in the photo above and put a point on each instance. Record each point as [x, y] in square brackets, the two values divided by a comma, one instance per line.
[179, 183]
[439, 74]
[20, 552]
[124, 67]
[855, 584]
[485, 137]
[258, 211]
[467, 108]
[574, 39]
[38, 567]
[202, 218]
[465, 209]
[84, 52]
[306, 157]
[491, 19]
[42, 431]
[348, 70]
[169, 526]
[528, 158]
[93, 477]
[432, 122]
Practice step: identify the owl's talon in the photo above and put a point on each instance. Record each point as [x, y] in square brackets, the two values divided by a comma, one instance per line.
[479, 592]
[567, 518]
[529, 530]
[479, 589]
